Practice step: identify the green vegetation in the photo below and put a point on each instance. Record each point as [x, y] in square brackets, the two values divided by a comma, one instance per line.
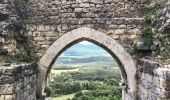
[148, 18]
[18, 2]
[93, 81]
[157, 42]
[151, 4]
[100, 83]
[17, 58]
[154, 7]
[78, 14]
[151, 12]
[48, 91]
[84, 72]
[147, 36]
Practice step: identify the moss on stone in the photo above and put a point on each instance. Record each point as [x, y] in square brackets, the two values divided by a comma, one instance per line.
[18, 58]
[78, 14]
[18, 2]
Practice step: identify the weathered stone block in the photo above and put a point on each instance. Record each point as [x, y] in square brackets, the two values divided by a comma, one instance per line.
[165, 83]
[166, 94]
[8, 71]
[20, 79]
[97, 1]
[47, 28]
[146, 84]
[39, 38]
[36, 34]
[122, 26]
[9, 97]
[7, 89]
[108, 1]
[118, 21]
[51, 34]
[7, 79]
[156, 90]
[163, 73]
[40, 28]
[148, 66]
[149, 78]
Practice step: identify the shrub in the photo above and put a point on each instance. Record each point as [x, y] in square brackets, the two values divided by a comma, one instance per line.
[48, 91]
[148, 18]
[147, 36]
[18, 58]
[78, 94]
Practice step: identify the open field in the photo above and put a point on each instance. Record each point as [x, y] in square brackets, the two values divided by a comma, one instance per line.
[85, 73]
[61, 71]
[64, 97]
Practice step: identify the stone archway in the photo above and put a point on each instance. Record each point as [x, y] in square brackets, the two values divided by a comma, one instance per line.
[127, 65]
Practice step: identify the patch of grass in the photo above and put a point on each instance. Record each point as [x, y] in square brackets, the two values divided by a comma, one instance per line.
[61, 71]
[63, 97]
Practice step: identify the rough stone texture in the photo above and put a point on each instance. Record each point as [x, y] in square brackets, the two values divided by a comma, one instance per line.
[48, 20]
[153, 81]
[9, 26]
[163, 21]
[161, 30]
[18, 81]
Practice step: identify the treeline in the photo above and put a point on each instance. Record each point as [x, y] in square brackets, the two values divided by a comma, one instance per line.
[88, 85]
[75, 59]
[68, 87]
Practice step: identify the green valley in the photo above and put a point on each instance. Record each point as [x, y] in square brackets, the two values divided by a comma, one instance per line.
[84, 72]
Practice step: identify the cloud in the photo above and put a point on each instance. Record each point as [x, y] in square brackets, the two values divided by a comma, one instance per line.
[86, 43]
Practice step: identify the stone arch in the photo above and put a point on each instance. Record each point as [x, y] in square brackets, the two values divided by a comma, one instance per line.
[127, 65]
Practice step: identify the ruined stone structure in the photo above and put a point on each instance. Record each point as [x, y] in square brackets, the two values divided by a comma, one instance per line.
[51, 26]
[153, 80]
[18, 82]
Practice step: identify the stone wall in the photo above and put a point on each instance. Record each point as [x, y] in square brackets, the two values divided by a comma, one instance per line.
[48, 20]
[10, 27]
[43, 21]
[163, 20]
[153, 80]
[18, 81]
[162, 34]
[4, 23]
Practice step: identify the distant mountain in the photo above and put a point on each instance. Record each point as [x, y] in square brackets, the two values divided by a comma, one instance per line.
[81, 49]
[84, 53]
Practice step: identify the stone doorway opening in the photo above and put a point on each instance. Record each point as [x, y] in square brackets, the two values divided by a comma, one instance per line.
[126, 63]
[84, 71]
